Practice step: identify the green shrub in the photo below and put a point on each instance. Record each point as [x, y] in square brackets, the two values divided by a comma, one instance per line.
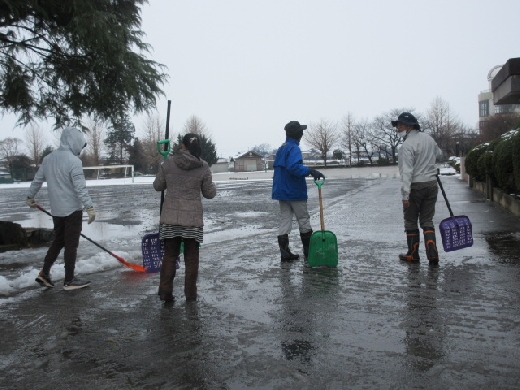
[383, 161]
[485, 164]
[472, 162]
[503, 163]
[516, 160]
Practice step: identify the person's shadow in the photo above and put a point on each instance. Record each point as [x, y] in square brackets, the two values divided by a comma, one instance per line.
[422, 319]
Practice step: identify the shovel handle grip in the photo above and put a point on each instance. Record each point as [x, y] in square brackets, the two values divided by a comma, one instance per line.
[164, 151]
[319, 183]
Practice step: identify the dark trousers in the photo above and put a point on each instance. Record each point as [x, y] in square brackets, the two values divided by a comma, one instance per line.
[172, 249]
[423, 197]
[68, 231]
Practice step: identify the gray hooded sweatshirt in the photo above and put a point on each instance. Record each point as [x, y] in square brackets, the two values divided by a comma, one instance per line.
[63, 171]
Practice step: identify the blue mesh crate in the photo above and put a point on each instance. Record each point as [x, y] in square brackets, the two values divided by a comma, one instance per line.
[153, 252]
[456, 233]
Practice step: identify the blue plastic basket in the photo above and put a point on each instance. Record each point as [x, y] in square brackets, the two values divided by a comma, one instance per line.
[456, 233]
[153, 252]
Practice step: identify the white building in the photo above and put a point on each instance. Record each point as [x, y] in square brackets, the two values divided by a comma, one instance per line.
[486, 104]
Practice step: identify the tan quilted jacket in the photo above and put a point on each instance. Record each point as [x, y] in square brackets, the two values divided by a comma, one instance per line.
[185, 178]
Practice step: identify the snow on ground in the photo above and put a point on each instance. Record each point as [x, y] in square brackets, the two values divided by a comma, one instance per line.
[84, 266]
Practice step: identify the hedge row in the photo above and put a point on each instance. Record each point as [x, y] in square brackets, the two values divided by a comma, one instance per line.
[499, 160]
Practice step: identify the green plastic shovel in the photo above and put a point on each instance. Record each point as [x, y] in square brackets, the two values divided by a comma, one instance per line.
[323, 247]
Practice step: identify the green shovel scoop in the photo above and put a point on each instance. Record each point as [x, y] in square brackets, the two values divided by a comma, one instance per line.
[323, 247]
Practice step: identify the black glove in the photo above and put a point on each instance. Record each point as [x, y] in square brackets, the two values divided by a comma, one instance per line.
[316, 174]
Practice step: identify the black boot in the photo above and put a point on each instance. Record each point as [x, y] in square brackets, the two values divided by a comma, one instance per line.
[430, 243]
[306, 239]
[285, 251]
[413, 240]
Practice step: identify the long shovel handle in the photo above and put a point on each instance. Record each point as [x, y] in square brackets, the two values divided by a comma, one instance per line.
[135, 267]
[444, 193]
[166, 146]
[322, 221]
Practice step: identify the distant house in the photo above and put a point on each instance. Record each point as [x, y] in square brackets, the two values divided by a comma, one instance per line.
[270, 160]
[249, 162]
[222, 165]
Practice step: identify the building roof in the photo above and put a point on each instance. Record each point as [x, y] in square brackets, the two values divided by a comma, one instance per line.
[506, 83]
[249, 154]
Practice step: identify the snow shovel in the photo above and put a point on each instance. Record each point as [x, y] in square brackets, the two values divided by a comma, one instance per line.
[151, 245]
[323, 247]
[456, 231]
[135, 267]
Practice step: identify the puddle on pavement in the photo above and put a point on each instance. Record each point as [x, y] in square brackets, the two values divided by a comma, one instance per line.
[505, 245]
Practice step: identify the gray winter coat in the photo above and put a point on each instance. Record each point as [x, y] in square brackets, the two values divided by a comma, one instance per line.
[184, 177]
[417, 158]
[63, 172]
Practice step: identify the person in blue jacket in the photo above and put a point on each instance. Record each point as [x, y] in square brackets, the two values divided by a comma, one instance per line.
[290, 189]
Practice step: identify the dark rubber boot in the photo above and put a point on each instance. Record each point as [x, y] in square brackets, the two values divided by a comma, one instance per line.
[413, 240]
[306, 239]
[168, 269]
[191, 272]
[285, 251]
[430, 243]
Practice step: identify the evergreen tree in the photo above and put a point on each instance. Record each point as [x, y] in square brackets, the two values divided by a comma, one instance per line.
[209, 151]
[20, 166]
[136, 155]
[63, 59]
[118, 140]
[48, 150]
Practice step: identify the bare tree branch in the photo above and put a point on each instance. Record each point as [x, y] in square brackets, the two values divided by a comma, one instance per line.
[322, 135]
[35, 140]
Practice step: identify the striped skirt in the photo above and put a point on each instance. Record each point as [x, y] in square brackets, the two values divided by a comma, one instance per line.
[172, 231]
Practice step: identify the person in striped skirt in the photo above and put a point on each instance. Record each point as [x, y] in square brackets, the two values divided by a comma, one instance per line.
[186, 178]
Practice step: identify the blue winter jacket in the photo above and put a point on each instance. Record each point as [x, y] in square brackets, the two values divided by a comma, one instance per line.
[289, 172]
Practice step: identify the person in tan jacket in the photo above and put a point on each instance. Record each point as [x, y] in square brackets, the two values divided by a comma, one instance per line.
[184, 176]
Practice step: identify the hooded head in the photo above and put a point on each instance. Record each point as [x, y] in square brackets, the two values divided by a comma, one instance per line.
[72, 139]
[293, 129]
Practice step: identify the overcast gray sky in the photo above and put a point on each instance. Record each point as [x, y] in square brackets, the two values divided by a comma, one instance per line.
[246, 68]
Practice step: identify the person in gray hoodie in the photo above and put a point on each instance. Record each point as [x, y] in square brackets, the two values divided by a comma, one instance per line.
[417, 165]
[63, 171]
[184, 176]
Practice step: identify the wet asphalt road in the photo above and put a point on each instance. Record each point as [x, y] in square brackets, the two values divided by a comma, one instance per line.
[371, 323]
